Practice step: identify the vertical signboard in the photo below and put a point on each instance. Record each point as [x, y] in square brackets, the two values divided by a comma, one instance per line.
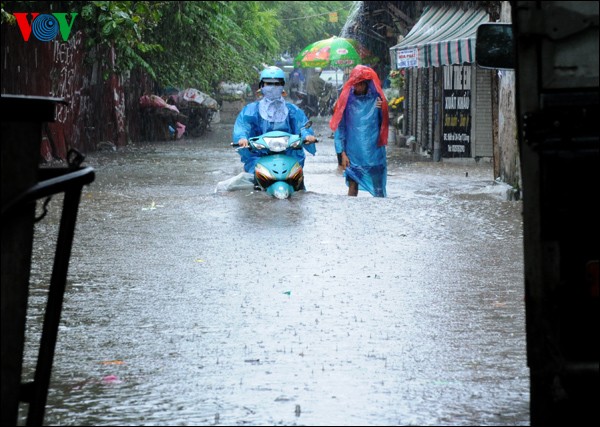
[456, 130]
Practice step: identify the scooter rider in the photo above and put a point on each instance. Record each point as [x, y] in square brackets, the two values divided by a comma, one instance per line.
[268, 114]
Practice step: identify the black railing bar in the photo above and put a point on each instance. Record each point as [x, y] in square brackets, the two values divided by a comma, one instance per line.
[49, 187]
[58, 281]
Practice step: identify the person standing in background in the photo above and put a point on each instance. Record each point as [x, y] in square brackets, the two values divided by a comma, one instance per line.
[360, 122]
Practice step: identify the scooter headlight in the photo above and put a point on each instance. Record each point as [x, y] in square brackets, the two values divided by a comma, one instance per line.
[277, 144]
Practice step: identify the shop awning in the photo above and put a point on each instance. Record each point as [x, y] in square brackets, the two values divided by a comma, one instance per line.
[442, 36]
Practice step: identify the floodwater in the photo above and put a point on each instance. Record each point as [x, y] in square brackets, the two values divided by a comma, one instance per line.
[186, 306]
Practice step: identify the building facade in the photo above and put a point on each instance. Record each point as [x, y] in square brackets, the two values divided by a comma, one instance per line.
[448, 105]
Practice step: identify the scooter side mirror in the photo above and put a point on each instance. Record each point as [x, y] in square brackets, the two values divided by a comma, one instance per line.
[307, 125]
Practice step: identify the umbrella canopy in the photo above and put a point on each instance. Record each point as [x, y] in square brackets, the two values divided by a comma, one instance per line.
[332, 52]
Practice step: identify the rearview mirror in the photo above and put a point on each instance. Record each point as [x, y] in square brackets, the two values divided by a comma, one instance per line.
[307, 125]
[494, 48]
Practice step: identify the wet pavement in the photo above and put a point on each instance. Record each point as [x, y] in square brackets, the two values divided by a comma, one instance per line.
[187, 306]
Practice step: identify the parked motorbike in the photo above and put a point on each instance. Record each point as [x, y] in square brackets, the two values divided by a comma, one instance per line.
[303, 102]
[327, 100]
[277, 173]
[321, 105]
[198, 108]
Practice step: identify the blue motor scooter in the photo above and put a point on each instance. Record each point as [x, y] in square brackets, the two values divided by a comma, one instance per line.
[277, 173]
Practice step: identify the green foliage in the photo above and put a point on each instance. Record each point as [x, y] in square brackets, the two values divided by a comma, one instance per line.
[195, 43]
[206, 42]
[396, 79]
[123, 26]
[6, 17]
[305, 22]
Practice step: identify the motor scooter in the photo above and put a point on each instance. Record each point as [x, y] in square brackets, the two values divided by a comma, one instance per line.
[276, 172]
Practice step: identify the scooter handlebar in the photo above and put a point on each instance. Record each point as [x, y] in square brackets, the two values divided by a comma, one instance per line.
[235, 144]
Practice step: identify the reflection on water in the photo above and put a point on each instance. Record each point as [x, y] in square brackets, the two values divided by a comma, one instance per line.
[190, 307]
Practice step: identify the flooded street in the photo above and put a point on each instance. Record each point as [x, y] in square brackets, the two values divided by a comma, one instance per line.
[186, 306]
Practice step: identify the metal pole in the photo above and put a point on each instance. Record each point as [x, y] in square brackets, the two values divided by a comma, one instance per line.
[58, 284]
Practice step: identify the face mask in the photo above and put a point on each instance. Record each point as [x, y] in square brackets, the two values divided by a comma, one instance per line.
[272, 92]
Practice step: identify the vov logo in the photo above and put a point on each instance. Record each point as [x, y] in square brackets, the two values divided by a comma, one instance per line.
[45, 27]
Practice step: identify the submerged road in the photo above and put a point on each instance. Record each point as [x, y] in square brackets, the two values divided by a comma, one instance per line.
[187, 306]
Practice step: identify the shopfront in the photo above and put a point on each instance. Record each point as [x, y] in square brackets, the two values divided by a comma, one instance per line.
[448, 107]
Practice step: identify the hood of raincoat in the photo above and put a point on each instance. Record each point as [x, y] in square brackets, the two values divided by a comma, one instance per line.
[359, 74]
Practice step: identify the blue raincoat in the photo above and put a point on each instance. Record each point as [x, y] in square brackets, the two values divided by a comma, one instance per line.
[357, 135]
[249, 123]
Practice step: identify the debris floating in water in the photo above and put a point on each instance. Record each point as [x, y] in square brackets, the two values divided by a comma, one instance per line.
[112, 362]
[111, 379]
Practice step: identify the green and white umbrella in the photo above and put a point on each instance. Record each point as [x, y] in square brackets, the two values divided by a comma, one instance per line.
[334, 52]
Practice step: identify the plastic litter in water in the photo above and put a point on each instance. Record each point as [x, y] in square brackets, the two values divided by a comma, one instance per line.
[111, 379]
[112, 362]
